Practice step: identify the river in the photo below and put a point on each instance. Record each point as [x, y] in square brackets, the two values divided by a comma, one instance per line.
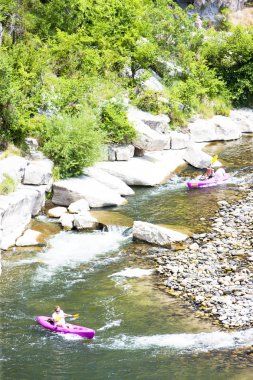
[141, 333]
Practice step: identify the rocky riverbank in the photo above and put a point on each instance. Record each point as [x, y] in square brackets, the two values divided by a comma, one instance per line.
[214, 270]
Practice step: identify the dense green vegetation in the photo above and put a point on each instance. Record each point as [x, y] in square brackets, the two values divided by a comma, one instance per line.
[63, 67]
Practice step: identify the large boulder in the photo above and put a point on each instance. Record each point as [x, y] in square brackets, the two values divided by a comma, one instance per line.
[95, 193]
[109, 180]
[179, 140]
[216, 128]
[211, 9]
[148, 139]
[14, 166]
[152, 169]
[244, 118]
[16, 210]
[38, 172]
[155, 234]
[120, 152]
[159, 123]
[197, 158]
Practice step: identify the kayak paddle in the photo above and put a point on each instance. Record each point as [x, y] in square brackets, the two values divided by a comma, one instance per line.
[214, 159]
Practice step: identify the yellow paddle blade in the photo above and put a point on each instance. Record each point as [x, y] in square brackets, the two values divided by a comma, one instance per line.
[75, 315]
[214, 158]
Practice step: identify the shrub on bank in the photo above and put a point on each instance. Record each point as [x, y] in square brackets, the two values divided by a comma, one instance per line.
[73, 143]
[8, 185]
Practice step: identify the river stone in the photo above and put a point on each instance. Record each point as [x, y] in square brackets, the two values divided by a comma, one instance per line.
[95, 193]
[147, 138]
[216, 128]
[38, 172]
[155, 234]
[29, 238]
[109, 180]
[79, 207]
[66, 221]
[85, 221]
[56, 212]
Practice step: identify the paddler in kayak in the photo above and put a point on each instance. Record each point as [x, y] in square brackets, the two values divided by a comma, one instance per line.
[58, 317]
[208, 174]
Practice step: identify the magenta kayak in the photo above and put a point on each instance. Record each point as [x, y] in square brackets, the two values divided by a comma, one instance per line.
[84, 332]
[217, 179]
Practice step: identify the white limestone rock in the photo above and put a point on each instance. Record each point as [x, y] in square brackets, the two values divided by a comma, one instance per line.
[152, 169]
[85, 221]
[38, 172]
[214, 129]
[244, 118]
[159, 123]
[56, 212]
[148, 139]
[95, 193]
[79, 207]
[67, 221]
[23, 203]
[29, 238]
[179, 140]
[197, 158]
[14, 166]
[155, 234]
[109, 180]
[120, 152]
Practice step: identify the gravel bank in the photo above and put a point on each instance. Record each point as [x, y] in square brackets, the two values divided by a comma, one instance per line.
[214, 270]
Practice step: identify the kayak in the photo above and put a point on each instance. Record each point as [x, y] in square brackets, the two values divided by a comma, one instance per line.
[217, 179]
[84, 332]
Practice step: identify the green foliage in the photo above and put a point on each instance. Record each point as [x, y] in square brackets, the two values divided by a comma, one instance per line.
[72, 142]
[151, 101]
[115, 123]
[231, 56]
[8, 185]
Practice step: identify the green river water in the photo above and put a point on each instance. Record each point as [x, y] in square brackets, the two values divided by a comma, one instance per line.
[141, 333]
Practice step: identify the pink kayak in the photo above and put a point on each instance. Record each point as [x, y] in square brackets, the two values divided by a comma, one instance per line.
[219, 178]
[84, 332]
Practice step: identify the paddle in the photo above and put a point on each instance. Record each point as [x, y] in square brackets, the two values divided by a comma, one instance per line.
[215, 158]
[69, 316]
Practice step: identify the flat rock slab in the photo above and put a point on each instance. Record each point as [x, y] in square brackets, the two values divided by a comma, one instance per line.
[155, 234]
[83, 187]
[109, 180]
[152, 169]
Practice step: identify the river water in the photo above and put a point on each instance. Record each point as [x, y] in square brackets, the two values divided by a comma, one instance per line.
[141, 333]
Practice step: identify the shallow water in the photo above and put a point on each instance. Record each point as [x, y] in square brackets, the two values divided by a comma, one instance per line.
[141, 333]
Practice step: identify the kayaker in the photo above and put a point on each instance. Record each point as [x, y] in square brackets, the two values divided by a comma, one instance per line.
[208, 174]
[58, 317]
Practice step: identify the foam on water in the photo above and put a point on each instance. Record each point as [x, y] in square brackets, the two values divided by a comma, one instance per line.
[111, 324]
[202, 342]
[133, 273]
[68, 249]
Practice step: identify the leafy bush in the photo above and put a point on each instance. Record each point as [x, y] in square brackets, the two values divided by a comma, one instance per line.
[230, 54]
[8, 185]
[72, 142]
[151, 101]
[115, 124]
